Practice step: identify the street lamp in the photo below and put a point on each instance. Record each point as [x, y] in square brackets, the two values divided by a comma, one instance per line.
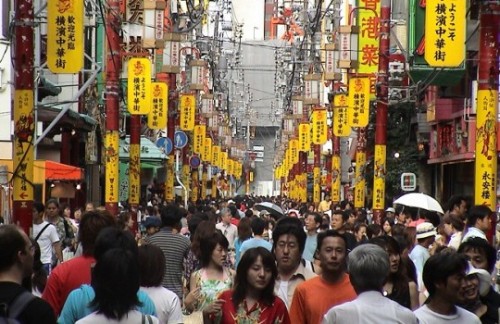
[396, 155]
[171, 57]
[311, 89]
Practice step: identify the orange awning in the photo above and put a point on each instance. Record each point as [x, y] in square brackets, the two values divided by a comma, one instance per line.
[59, 171]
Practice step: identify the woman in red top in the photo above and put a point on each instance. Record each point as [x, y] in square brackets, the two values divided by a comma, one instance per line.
[252, 299]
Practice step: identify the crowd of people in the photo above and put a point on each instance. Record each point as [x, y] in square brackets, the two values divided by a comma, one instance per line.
[238, 261]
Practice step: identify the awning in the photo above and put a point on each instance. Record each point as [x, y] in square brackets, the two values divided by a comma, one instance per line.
[62, 172]
[71, 118]
[150, 153]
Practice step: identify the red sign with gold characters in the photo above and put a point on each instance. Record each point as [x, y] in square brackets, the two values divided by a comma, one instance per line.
[139, 86]
[65, 36]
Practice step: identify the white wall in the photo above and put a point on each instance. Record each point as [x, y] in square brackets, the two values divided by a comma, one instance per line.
[251, 15]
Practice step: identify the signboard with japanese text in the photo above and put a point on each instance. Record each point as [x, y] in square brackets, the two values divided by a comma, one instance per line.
[230, 167]
[359, 180]
[65, 36]
[187, 112]
[169, 181]
[336, 183]
[238, 168]
[319, 126]
[199, 138]
[206, 154]
[111, 145]
[368, 39]
[157, 117]
[340, 121]
[23, 155]
[223, 160]
[379, 172]
[359, 102]
[294, 151]
[316, 185]
[486, 153]
[445, 30]
[304, 137]
[139, 86]
[134, 171]
[216, 156]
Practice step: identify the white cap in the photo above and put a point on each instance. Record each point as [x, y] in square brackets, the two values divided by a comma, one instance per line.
[390, 210]
[424, 230]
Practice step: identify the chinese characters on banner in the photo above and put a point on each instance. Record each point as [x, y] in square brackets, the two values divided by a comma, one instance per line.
[486, 154]
[294, 151]
[23, 145]
[304, 137]
[238, 168]
[187, 112]
[359, 180]
[65, 36]
[445, 29]
[336, 184]
[316, 184]
[111, 143]
[319, 127]
[359, 102]
[199, 138]
[341, 125]
[157, 117]
[169, 182]
[139, 86]
[223, 160]
[368, 42]
[206, 154]
[379, 171]
[134, 171]
[230, 167]
[216, 156]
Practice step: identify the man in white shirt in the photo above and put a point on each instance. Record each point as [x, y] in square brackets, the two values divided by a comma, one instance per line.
[368, 270]
[426, 234]
[479, 222]
[229, 230]
[46, 236]
[444, 277]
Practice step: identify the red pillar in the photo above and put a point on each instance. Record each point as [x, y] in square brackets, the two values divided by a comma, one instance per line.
[22, 149]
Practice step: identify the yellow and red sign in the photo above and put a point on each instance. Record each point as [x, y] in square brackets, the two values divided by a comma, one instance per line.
[216, 156]
[223, 160]
[134, 169]
[199, 138]
[304, 137]
[294, 151]
[158, 115]
[359, 102]
[111, 145]
[238, 169]
[379, 172]
[206, 154]
[340, 121]
[319, 126]
[486, 153]
[65, 36]
[23, 145]
[169, 181]
[336, 176]
[187, 112]
[445, 30]
[230, 167]
[316, 185]
[359, 181]
[139, 86]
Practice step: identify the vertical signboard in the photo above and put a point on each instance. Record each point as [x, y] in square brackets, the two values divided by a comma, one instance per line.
[134, 171]
[111, 144]
[340, 121]
[359, 181]
[379, 171]
[187, 112]
[336, 183]
[319, 127]
[199, 138]
[65, 36]
[359, 102]
[157, 117]
[304, 137]
[139, 86]
[206, 154]
[294, 151]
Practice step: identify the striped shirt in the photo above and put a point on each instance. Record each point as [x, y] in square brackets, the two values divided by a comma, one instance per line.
[175, 247]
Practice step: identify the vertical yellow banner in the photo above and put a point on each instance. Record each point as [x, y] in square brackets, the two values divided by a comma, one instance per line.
[216, 156]
[206, 154]
[230, 167]
[23, 145]
[169, 183]
[111, 144]
[445, 30]
[359, 102]
[186, 179]
[319, 127]
[341, 125]
[134, 169]
[199, 138]
[187, 112]
[485, 179]
[139, 86]
[158, 115]
[294, 151]
[65, 46]
[379, 171]
[360, 182]
[316, 185]
[304, 137]
[336, 184]
[204, 177]
[195, 192]
[223, 160]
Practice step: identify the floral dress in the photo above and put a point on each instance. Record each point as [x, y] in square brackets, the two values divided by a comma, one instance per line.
[211, 288]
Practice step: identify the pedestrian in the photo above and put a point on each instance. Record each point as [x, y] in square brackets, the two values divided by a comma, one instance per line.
[258, 226]
[198, 228]
[369, 268]
[45, 234]
[314, 297]
[252, 299]
[289, 240]
[72, 274]
[115, 280]
[444, 277]
[312, 223]
[16, 264]
[425, 235]
[339, 223]
[229, 230]
[175, 247]
[478, 222]
[66, 235]
[453, 228]
[152, 270]
[387, 224]
[244, 233]
[212, 278]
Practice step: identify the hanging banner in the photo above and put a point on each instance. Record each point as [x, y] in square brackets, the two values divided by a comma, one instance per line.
[157, 117]
[379, 171]
[445, 29]
[316, 185]
[359, 181]
[139, 86]
[111, 144]
[134, 171]
[304, 137]
[223, 160]
[216, 156]
[199, 138]
[206, 154]
[169, 181]
[340, 122]
[486, 155]
[319, 127]
[359, 102]
[336, 183]
[230, 167]
[65, 45]
[294, 151]
[194, 194]
[237, 170]
[187, 112]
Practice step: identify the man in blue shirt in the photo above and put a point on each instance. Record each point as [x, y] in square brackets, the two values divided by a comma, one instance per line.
[258, 226]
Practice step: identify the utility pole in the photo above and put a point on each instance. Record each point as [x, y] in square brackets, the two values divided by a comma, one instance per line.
[487, 105]
[113, 68]
[134, 167]
[24, 125]
[381, 117]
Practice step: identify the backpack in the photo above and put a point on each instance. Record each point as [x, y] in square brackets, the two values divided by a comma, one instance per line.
[9, 313]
